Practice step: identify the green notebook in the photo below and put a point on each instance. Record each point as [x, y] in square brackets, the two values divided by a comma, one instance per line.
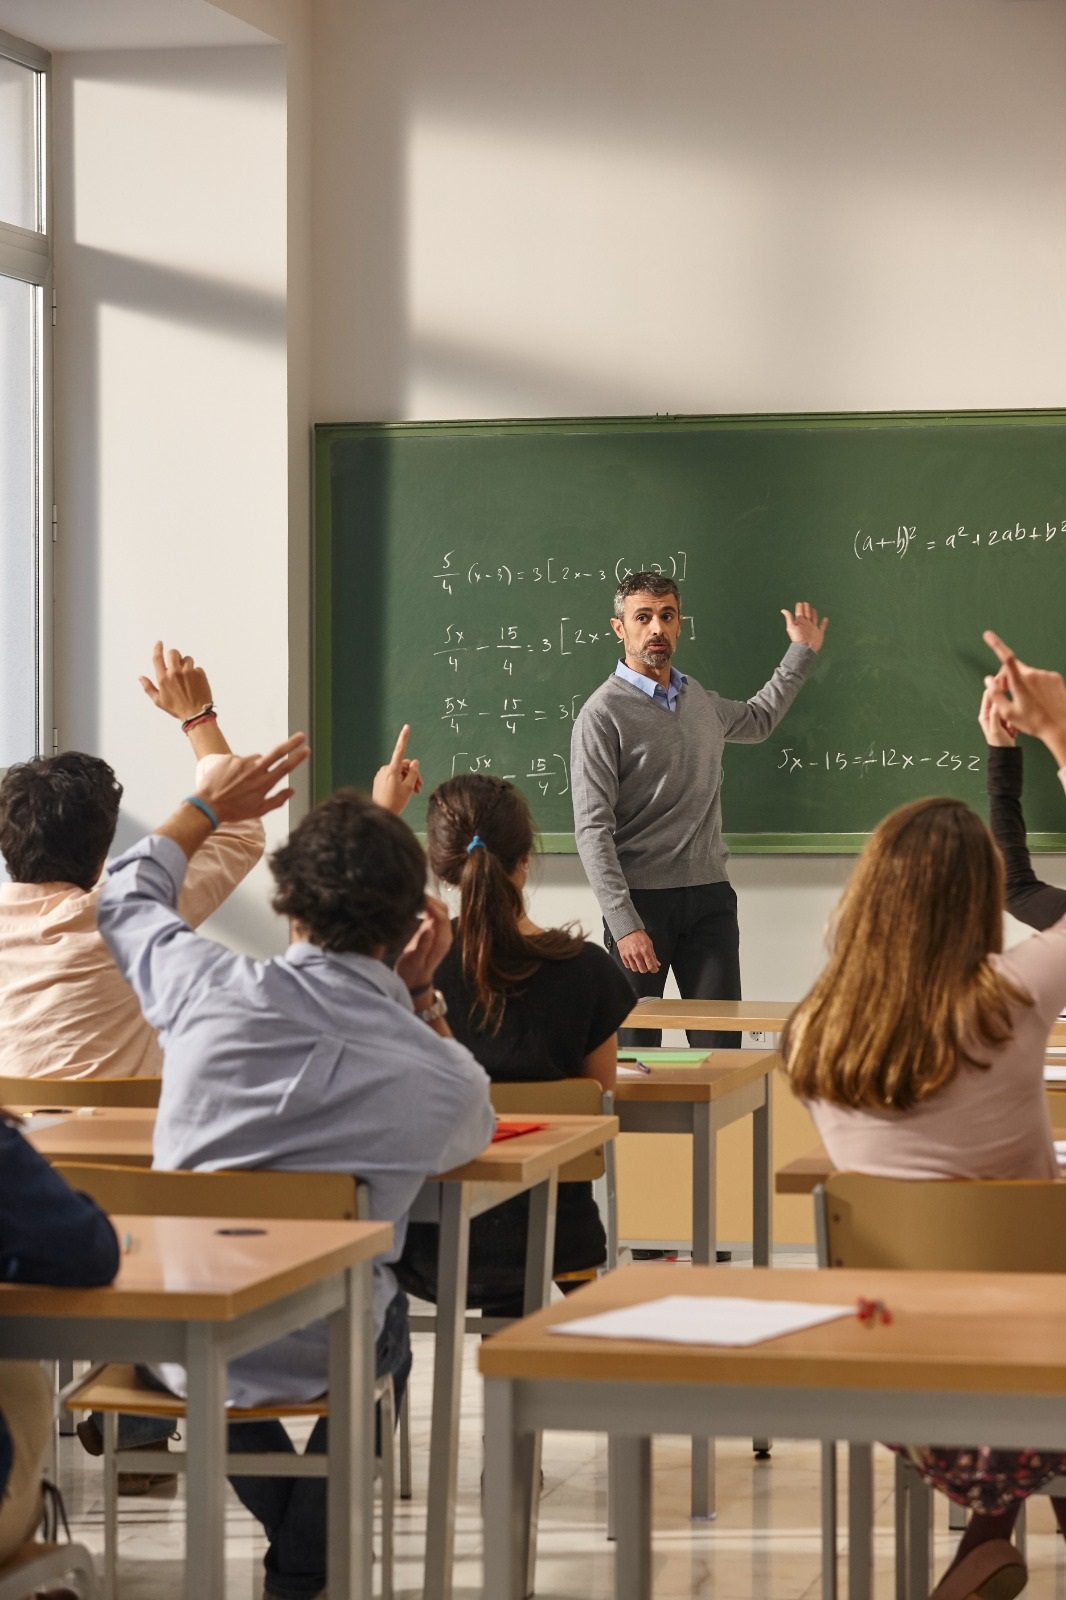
[664, 1058]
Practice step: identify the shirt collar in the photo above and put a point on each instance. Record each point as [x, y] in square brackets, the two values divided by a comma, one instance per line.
[648, 686]
[374, 972]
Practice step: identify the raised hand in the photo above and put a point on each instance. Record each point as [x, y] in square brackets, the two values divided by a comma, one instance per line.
[1029, 699]
[399, 778]
[996, 731]
[804, 627]
[181, 688]
[239, 788]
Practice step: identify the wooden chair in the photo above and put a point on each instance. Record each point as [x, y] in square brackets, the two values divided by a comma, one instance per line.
[576, 1097]
[115, 1389]
[37, 1565]
[926, 1225]
[47, 1094]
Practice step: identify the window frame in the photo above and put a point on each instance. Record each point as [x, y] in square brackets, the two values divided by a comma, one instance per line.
[26, 255]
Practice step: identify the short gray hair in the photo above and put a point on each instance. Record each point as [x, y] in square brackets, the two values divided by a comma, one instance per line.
[653, 583]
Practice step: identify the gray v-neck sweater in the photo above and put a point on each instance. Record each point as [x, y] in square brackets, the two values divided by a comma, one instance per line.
[647, 782]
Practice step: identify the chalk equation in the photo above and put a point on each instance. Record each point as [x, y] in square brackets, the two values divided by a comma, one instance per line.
[910, 537]
[510, 642]
[791, 760]
[455, 571]
[514, 711]
[550, 773]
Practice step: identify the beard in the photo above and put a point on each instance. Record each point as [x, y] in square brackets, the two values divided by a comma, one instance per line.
[655, 655]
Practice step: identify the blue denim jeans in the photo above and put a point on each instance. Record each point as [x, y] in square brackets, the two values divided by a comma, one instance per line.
[293, 1510]
[134, 1431]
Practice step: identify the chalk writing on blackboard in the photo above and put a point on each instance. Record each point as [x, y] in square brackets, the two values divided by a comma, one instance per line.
[456, 571]
[872, 759]
[907, 538]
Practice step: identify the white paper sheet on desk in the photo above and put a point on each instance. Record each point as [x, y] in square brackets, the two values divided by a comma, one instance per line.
[1060, 1151]
[1054, 1074]
[690, 1319]
[631, 1072]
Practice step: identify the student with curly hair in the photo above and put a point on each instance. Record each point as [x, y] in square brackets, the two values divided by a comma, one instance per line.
[533, 1005]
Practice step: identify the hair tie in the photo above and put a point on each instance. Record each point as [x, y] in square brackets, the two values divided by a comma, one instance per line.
[476, 843]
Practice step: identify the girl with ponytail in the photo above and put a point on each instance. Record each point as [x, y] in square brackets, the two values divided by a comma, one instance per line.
[531, 1004]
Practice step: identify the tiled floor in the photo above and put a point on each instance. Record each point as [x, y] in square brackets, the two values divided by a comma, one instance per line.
[764, 1543]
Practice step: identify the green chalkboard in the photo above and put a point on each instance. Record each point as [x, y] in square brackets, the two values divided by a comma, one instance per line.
[465, 575]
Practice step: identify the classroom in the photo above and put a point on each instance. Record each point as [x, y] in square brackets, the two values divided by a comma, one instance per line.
[272, 214]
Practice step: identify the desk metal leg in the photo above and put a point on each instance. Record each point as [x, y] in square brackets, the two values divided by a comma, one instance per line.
[762, 1200]
[540, 1257]
[351, 1441]
[205, 1480]
[860, 1522]
[452, 1268]
[829, 1519]
[633, 1551]
[704, 1251]
[506, 1496]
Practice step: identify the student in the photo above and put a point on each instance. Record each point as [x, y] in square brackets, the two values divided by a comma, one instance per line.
[920, 1054]
[533, 1006]
[48, 1234]
[333, 1057]
[67, 1012]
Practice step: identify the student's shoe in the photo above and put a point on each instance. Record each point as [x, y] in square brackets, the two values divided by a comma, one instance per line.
[129, 1483]
[992, 1571]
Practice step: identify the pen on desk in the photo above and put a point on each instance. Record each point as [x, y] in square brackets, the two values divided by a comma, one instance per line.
[631, 1061]
[127, 1243]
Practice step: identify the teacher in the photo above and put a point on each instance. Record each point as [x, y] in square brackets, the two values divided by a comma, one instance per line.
[647, 799]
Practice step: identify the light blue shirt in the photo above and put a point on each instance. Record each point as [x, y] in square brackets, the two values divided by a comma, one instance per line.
[312, 1061]
[654, 691]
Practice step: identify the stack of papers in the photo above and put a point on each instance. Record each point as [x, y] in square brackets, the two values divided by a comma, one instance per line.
[689, 1319]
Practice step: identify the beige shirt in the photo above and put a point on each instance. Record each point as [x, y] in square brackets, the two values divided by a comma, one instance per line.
[67, 1011]
[983, 1124]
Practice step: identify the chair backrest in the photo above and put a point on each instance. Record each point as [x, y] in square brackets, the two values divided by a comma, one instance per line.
[46, 1094]
[138, 1191]
[942, 1225]
[575, 1097]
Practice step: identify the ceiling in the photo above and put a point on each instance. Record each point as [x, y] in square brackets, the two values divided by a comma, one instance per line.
[123, 24]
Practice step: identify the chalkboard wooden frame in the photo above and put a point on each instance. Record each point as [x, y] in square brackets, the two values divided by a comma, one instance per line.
[326, 435]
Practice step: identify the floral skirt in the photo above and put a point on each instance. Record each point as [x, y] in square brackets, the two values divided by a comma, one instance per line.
[991, 1481]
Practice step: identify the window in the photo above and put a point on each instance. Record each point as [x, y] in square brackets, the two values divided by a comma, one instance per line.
[25, 404]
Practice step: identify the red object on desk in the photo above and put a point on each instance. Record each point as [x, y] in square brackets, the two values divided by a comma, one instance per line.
[512, 1130]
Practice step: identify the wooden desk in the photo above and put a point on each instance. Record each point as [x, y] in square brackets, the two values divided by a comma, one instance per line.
[506, 1169]
[117, 1136]
[1004, 1384]
[450, 1200]
[762, 1016]
[699, 1101]
[735, 1016]
[187, 1293]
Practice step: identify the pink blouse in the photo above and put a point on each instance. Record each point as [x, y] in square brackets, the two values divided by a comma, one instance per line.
[989, 1123]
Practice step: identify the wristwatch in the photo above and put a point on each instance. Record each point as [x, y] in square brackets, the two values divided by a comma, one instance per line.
[437, 1008]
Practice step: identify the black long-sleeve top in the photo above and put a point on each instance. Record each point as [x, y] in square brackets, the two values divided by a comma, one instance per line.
[48, 1232]
[1035, 903]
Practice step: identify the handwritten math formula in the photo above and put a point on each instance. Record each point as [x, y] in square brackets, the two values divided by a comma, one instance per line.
[872, 761]
[908, 539]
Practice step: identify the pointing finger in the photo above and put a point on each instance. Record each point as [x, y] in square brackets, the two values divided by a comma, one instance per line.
[401, 745]
[1003, 651]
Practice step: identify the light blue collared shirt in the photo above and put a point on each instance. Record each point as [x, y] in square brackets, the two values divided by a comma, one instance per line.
[653, 690]
[312, 1061]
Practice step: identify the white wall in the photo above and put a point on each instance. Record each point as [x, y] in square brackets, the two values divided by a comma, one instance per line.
[625, 206]
[172, 425]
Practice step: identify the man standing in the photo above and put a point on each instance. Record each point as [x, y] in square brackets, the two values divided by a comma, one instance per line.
[647, 799]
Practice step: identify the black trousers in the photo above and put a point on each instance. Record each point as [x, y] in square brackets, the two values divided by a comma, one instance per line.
[694, 931]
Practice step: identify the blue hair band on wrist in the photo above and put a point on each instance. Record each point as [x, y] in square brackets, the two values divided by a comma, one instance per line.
[476, 843]
[201, 805]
